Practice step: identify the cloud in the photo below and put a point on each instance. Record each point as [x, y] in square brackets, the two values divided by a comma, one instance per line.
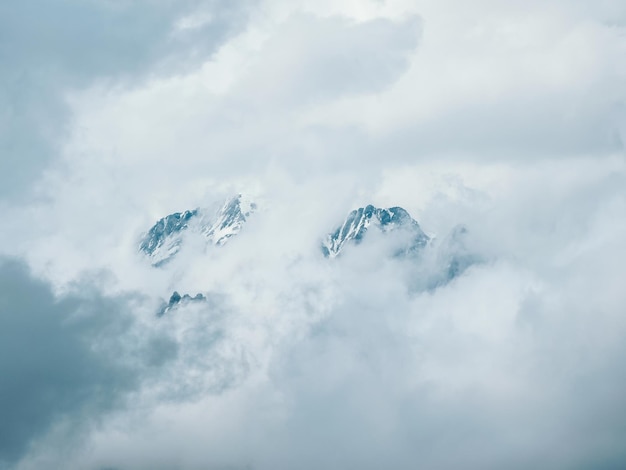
[498, 82]
[50, 50]
[64, 361]
[300, 361]
[312, 60]
[48, 365]
[312, 93]
[499, 116]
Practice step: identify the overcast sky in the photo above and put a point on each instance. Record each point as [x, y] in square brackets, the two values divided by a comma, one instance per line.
[506, 117]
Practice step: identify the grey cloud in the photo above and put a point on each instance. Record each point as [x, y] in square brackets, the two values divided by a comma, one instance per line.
[62, 359]
[49, 48]
[528, 125]
[325, 95]
[309, 60]
[517, 128]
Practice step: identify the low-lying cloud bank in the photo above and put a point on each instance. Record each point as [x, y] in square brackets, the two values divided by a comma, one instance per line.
[298, 361]
[64, 362]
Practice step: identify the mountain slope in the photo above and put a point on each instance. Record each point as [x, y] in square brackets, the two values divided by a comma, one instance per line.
[229, 220]
[360, 220]
[164, 240]
[177, 300]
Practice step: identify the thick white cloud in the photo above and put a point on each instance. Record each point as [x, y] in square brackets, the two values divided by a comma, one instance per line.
[506, 117]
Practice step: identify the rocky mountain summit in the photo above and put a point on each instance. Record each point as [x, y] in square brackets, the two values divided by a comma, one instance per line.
[364, 219]
[437, 262]
[165, 239]
[177, 300]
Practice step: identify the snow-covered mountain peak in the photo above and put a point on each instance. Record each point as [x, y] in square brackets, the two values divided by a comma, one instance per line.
[359, 221]
[229, 219]
[164, 240]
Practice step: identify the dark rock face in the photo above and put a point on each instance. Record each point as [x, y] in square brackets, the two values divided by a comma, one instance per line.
[165, 239]
[165, 229]
[455, 255]
[435, 263]
[360, 220]
[177, 300]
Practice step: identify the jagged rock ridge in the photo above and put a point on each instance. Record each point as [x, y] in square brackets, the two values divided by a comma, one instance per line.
[177, 300]
[357, 223]
[164, 240]
[438, 263]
